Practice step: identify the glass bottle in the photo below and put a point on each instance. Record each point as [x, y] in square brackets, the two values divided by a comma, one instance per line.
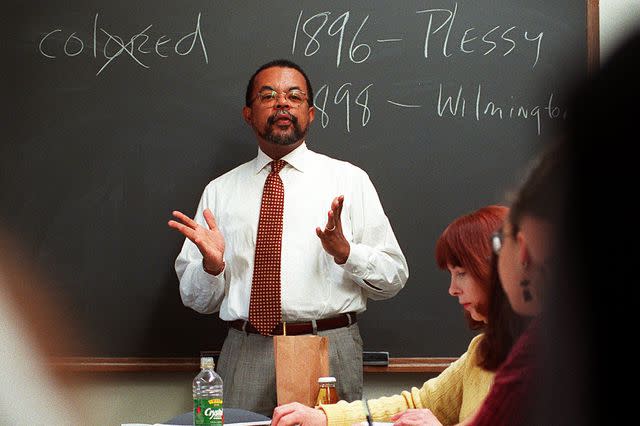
[207, 395]
[327, 394]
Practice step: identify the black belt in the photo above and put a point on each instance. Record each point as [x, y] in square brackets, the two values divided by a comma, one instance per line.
[296, 328]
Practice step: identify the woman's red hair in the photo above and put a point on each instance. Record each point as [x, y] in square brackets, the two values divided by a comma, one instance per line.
[465, 243]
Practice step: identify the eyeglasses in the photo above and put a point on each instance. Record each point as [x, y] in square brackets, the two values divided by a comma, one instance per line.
[497, 239]
[268, 98]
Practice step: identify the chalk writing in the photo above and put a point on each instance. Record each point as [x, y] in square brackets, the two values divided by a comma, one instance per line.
[348, 37]
[358, 53]
[496, 40]
[115, 46]
[443, 39]
[485, 107]
[343, 96]
[491, 40]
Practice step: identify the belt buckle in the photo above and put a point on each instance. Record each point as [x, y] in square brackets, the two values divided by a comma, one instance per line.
[284, 328]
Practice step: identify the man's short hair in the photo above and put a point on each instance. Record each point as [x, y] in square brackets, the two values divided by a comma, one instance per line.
[279, 63]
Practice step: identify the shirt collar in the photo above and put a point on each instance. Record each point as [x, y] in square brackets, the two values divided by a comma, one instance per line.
[296, 158]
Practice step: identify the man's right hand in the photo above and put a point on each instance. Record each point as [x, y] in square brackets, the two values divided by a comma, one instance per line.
[210, 241]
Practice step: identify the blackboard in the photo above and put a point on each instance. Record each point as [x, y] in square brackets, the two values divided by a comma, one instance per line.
[121, 112]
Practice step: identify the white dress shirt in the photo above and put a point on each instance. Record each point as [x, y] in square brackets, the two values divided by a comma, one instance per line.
[313, 285]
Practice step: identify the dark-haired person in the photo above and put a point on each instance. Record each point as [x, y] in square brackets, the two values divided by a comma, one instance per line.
[465, 251]
[325, 246]
[525, 254]
[525, 250]
[554, 255]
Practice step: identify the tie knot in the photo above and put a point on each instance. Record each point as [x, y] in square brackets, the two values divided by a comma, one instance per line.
[277, 165]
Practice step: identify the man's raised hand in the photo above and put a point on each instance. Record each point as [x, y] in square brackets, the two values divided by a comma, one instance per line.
[332, 238]
[209, 241]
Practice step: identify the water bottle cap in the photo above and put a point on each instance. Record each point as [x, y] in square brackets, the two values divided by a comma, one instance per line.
[206, 362]
[327, 379]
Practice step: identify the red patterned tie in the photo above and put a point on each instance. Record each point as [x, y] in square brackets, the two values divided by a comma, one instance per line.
[265, 311]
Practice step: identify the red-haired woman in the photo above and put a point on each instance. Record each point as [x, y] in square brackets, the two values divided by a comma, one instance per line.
[464, 250]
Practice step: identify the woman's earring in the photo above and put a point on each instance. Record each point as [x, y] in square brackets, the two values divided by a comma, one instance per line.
[526, 294]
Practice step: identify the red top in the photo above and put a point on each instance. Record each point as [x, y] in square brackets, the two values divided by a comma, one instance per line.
[509, 400]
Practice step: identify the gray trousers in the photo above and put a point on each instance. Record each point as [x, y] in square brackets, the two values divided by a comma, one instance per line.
[247, 368]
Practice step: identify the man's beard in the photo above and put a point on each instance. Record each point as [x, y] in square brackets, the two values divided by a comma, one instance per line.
[280, 138]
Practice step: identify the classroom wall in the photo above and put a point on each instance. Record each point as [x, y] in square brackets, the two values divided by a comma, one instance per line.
[617, 18]
[153, 397]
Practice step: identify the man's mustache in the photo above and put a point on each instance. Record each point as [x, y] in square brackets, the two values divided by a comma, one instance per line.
[272, 118]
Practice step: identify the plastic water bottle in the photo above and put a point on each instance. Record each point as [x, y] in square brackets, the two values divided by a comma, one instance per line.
[207, 395]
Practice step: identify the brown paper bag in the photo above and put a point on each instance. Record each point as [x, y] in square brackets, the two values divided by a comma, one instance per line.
[300, 360]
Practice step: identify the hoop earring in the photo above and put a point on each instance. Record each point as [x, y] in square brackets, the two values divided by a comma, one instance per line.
[526, 294]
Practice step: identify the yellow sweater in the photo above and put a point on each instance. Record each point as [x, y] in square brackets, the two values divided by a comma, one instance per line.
[452, 396]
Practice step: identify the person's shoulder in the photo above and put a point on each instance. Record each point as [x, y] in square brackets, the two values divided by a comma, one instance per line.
[234, 174]
[341, 166]
[475, 343]
[472, 355]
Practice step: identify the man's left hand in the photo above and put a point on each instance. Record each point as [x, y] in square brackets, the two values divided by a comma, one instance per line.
[332, 238]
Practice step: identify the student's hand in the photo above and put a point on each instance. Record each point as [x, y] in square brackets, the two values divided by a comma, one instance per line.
[297, 414]
[332, 238]
[209, 241]
[414, 417]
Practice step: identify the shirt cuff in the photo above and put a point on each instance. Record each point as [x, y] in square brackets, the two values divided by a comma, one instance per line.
[206, 279]
[357, 261]
[224, 266]
[358, 265]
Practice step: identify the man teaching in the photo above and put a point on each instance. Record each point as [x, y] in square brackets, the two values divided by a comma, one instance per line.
[291, 236]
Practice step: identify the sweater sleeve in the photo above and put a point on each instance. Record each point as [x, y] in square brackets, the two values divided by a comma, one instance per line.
[442, 395]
